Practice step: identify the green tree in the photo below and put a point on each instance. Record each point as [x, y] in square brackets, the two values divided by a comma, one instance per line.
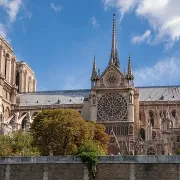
[21, 144]
[99, 135]
[59, 131]
[5, 145]
[17, 144]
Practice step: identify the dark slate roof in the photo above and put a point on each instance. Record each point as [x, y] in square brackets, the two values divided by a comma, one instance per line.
[161, 93]
[153, 93]
[53, 97]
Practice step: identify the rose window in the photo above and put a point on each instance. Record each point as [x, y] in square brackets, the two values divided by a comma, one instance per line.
[112, 107]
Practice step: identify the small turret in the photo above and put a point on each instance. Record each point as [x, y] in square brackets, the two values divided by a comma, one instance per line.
[130, 76]
[94, 76]
[125, 73]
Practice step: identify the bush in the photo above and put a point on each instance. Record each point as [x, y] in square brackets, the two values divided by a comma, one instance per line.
[89, 153]
[17, 144]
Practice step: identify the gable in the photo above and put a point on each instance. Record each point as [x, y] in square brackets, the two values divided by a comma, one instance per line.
[112, 77]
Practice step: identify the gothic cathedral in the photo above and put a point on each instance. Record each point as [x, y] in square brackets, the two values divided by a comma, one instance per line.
[139, 120]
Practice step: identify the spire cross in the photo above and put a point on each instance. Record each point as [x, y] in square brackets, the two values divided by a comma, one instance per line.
[114, 9]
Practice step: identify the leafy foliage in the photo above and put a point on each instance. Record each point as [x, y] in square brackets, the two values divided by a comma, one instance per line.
[5, 145]
[59, 131]
[178, 151]
[89, 153]
[62, 131]
[17, 144]
[99, 136]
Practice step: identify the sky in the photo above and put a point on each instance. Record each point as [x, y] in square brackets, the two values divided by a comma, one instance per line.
[58, 39]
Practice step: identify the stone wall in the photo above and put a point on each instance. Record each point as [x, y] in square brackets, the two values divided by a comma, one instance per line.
[109, 168]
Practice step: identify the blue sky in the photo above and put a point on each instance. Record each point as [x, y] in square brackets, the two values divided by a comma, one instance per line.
[59, 39]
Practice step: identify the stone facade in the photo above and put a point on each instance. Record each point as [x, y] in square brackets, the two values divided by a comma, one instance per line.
[139, 120]
[26, 77]
[11, 82]
[108, 168]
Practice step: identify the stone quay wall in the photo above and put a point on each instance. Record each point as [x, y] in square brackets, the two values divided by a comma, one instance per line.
[109, 168]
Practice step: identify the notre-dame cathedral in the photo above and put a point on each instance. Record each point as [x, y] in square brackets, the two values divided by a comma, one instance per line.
[139, 120]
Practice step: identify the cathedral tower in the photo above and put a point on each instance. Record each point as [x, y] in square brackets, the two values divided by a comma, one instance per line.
[113, 98]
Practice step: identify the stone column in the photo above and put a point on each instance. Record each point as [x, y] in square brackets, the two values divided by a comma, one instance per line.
[30, 85]
[13, 71]
[34, 85]
[93, 107]
[136, 115]
[28, 122]
[25, 81]
[131, 106]
[2, 61]
[8, 69]
[21, 81]
[1, 58]
[15, 124]
[13, 95]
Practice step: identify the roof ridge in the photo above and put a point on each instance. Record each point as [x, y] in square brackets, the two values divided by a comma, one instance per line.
[170, 86]
[56, 91]
[86, 90]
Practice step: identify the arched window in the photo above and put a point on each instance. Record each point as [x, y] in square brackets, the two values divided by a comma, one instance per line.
[5, 68]
[152, 122]
[130, 130]
[140, 116]
[153, 135]
[151, 115]
[17, 80]
[173, 113]
[23, 123]
[162, 113]
[142, 133]
[7, 113]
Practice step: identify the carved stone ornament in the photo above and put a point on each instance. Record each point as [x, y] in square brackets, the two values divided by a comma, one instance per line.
[23, 69]
[112, 78]
[1, 82]
[7, 88]
[130, 98]
[2, 76]
[94, 99]
[112, 107]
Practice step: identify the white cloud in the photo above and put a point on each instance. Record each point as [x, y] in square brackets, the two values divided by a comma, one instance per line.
[12, 8]
[163, 16]
[123, 6]
[3, 31]
[141, 38]
[56, 8]
[164, 72]
[94, 22]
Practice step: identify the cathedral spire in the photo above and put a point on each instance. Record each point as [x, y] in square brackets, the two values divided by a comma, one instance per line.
[114, 53]
[94, 70]
[130, 73]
